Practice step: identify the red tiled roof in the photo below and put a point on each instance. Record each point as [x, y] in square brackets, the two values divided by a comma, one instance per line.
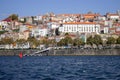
[26, 31]
[111, 28]
[117, 24]
[7, 19]
[113, 15]
[91, 14]
[68, 14]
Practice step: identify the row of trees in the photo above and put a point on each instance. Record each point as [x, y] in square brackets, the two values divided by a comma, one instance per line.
[63, 42]
[98, 40]
[69, 41]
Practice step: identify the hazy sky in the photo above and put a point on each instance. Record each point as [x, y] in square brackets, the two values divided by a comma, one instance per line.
[37, 7]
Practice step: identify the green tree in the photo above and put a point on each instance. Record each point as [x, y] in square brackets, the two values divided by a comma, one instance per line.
[90, 40]
[33, 42]
[2, 32]
[21, 41]
[111, 40]
[66, 34]
[118, 40]
[51, 42]
[94, 40]
[61, 42]
[97, 40]
[67, 40]
[13, 17]
[57, 31]
[77, 42]
[7, 41]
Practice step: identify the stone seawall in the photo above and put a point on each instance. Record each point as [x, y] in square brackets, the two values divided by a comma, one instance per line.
[15, 52]
[87, 52]
[63, 52]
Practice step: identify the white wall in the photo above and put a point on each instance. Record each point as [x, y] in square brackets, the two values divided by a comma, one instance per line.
[86, 28]
[40, 32]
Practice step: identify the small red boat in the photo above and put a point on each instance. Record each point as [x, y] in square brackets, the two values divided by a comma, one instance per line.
[20, 55]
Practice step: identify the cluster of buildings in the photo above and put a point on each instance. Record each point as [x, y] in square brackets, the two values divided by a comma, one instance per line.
[54, 26]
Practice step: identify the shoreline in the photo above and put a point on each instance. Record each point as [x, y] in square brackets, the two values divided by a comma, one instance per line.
[62, 52]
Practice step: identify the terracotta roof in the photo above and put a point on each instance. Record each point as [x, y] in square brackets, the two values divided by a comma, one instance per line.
[91, 14]
[111, 28]
[26, 31]
[117, 24]
[113, 15]
[68, 15]
[7, 19]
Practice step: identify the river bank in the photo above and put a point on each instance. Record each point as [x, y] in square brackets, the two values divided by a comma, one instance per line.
[61, 52]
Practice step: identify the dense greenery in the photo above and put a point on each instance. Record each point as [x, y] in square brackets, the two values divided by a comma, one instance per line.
[16, 30]
[13, 17]
[21, 41]
[66, 41]
[94, 40]
[97, 40]
[77, 42]
[33, 42]
[2, 32]
[111, 40]
[90, 40]
[6, 41]
[118, 40]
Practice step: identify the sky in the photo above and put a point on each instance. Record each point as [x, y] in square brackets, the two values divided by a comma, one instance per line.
[40, 7]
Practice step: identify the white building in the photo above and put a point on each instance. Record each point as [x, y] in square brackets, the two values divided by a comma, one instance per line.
[113, 16]
[53, 25]
[23, 28]
[101, 18]
[106, 30]
[38, 18]
[40, 32]
[108, 23]
[81, 27]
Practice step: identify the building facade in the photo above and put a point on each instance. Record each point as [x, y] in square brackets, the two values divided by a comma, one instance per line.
[81, 27]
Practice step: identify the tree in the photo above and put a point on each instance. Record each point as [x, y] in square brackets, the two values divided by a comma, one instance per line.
[6, 41]
[90, 40]
[51, 42]
[97, 40]
[13, 17]
[118, 40]
[77, 42]
[33, 42]
[21, 41]
[66, 34]
[67, 40]
[94, 40]
[111, 40]
[57, 31]
[61, 42]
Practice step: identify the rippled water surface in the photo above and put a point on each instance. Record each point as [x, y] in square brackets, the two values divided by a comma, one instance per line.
[60, 68]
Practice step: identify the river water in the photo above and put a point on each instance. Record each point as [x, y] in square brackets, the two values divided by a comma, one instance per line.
[60, 68]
